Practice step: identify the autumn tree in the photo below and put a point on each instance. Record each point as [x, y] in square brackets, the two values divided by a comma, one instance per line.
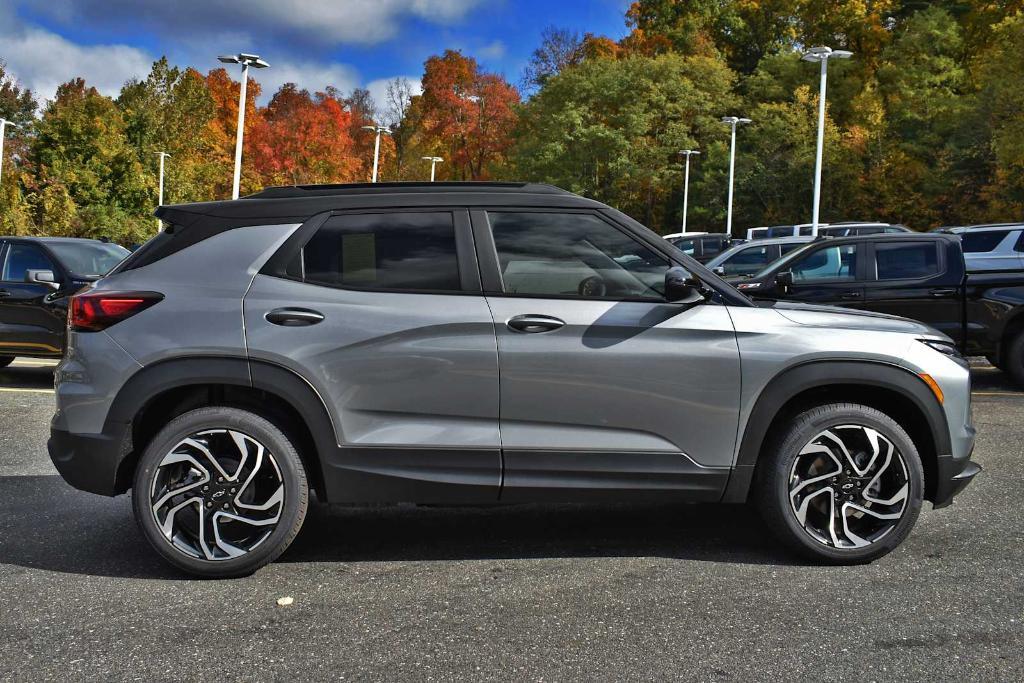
[19, 106]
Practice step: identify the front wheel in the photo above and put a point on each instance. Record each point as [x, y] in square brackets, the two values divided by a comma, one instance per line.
[1013, 359]
[842, 484]
[220, 492]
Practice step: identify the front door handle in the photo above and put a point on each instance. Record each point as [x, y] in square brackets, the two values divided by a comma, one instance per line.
[850, 295]
[531, 324]
[943, 291]
[294, 317]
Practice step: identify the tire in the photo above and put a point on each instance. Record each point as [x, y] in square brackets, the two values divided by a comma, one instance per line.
[799, 461]
[1013, 359]
[993, 360]
[5, 361]
[223, 497]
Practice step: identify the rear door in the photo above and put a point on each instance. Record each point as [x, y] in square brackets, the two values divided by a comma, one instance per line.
[829, 274]
[382, 313]
[913, 279]
[606, 389]
[29, 323]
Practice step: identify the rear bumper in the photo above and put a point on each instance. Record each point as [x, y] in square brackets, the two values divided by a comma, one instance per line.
[91, 462]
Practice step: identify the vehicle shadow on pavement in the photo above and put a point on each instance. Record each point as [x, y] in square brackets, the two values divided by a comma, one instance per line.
[22, 377]
[45, 524]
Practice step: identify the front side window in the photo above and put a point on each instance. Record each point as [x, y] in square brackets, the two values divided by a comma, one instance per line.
[22, 258]
[748, 261]
[390, 251]
[828, 263]
[573, 255]
[981, 242]
[905, 261]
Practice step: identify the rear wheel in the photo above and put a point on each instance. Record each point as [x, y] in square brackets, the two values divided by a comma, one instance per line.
[5, 361]
[842, 484]
[220, 492]
[1013, 359]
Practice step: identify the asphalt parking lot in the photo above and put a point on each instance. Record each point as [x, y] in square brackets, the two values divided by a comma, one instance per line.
[522, 592]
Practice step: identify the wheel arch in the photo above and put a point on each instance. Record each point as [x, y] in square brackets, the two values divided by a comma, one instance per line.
[159, 392]
[892, 389]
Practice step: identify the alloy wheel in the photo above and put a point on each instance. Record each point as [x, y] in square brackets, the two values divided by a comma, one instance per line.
[217, 495]
[849, 486]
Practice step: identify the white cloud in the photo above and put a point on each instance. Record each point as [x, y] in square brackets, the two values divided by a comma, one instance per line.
[495, 50]
[379, 89]
[332, 22]
[309, 75]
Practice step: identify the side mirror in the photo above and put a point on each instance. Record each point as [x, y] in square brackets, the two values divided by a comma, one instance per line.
[719, 271]
[681, 287]
[44, 277]
[783, 281]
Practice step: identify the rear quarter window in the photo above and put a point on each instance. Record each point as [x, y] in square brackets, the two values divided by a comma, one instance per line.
[981, 242]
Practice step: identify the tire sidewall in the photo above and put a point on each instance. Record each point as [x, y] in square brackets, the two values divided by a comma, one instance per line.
[296, 495]
[802, 433]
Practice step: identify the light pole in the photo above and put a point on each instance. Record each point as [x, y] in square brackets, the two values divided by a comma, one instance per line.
[246, 60]
[433, 162]
[733, 121]
[376, 145]
[3, 125]
[821, 55]
[160, 191]
[686, 182]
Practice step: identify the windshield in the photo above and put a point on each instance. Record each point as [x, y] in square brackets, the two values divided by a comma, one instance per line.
[88, 259]
[783, 262]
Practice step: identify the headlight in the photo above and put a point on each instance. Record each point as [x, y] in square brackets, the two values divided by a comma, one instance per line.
[944, 347]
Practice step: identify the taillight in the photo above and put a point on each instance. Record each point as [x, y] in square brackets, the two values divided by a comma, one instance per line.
[95, 311]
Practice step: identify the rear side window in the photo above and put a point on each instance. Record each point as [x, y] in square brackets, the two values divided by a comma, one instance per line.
[383, 251]
[906, 261]
[782, 231]
[980, 242]
[22, 258]
[712, 246]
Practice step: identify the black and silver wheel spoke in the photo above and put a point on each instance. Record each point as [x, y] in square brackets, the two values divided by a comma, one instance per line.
[217, 494]
[849, 486]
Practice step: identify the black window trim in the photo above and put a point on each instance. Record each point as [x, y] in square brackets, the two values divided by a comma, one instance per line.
[490, 265]
[872, 264]
[469, 271]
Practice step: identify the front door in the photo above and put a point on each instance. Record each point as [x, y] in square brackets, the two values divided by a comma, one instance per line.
[30, 324]
[829, 274]
[382, 313]
[606, 389]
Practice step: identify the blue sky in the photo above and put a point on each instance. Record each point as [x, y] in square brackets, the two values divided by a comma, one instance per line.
[345, 43]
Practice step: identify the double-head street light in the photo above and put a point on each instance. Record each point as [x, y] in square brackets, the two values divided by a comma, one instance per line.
[3, 125]
[821, 55]
[686, 181]
[434, 161]
[160, 191]
[246, 60]
[376, 145]
[733, 121]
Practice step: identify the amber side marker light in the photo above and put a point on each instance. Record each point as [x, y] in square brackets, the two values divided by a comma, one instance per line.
[933, 385]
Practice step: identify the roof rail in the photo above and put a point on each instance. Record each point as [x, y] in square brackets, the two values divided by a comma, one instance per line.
[296, 191]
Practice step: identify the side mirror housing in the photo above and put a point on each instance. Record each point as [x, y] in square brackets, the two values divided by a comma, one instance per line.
[681, 287]
[783, 281]
[719, 271]
[44, 277]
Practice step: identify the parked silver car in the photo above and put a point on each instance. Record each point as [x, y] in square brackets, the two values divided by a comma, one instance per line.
[749, 258]
[483, 343]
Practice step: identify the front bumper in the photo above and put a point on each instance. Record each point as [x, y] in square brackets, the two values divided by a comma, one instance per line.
[954, 472]
[91, 462]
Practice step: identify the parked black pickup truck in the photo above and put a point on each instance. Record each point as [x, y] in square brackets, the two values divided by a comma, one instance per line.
[919, 276]
[37, 275]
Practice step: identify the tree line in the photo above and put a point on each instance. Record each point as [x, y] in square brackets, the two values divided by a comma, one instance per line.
[925, 125]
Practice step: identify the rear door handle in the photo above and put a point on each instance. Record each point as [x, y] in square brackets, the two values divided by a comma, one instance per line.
[850, 295]
[294, 317]
[944, 291]
[532, 323]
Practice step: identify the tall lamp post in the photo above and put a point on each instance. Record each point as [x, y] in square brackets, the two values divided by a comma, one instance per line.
[434, 161]
[246, 60]
[733, 121]
[376, 145]
[160, 191]
[821, 55]
[3, 125]
[686, 182]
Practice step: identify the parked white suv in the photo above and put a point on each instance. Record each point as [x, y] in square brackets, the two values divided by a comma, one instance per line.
[998, 246]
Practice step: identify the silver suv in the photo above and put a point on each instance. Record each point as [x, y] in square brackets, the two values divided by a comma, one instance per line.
[483, 343]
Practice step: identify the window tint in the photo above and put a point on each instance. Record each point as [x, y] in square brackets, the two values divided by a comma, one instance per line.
[88, 258]
[552, 254]
[977, 242]
[398, 251]
[786, 248]
[827, 263]
[22, 258]
[869, 231]
[781, 231]
[1020, 243]
[748, 261]
[902, 261]
[685, 246]
[711, 246]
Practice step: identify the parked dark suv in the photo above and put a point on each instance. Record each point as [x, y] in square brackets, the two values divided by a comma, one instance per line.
[37, 275]
[483, 343]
